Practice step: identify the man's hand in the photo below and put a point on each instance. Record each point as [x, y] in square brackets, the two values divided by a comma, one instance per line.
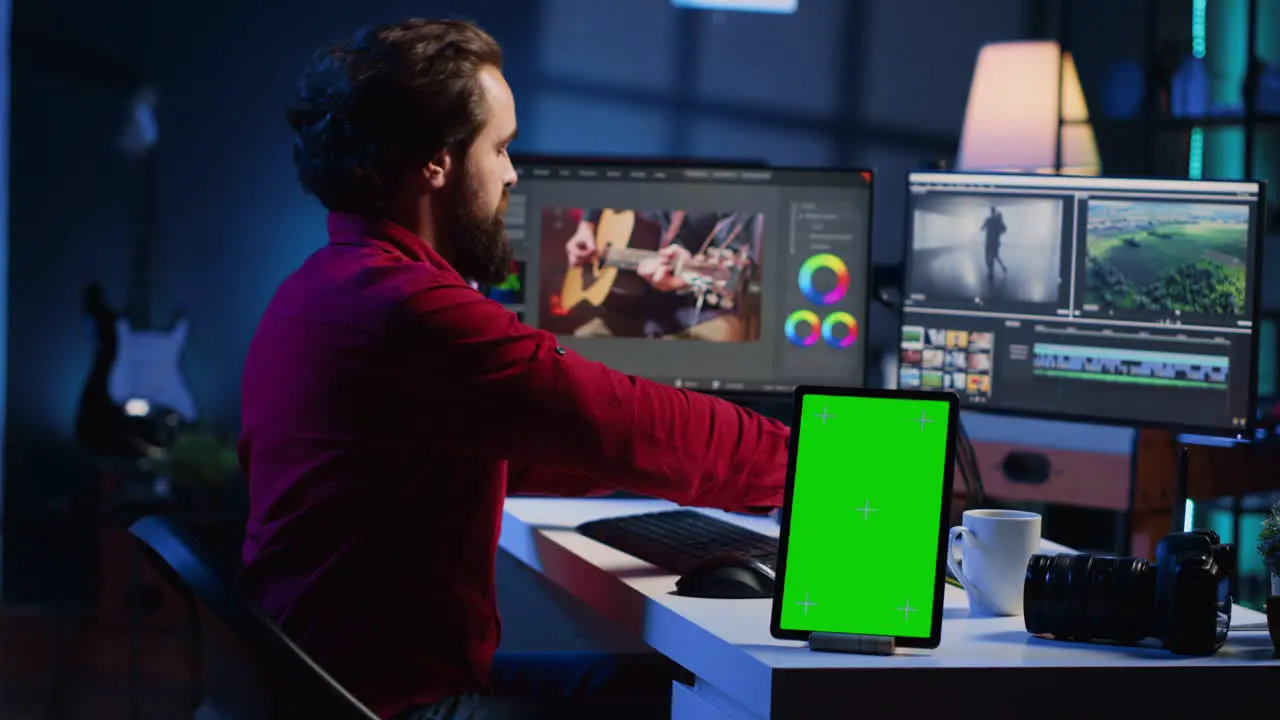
[581, 248]
[663, 272]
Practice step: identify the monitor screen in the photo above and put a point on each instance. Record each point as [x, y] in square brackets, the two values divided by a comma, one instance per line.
[717, 278]
[1101, 300]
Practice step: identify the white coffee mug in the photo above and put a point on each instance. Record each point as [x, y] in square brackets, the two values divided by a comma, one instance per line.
[994, 548]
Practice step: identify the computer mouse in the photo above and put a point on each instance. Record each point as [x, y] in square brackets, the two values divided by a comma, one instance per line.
[727, 575]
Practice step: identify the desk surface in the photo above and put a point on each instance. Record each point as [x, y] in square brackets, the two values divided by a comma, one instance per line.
[727, 642]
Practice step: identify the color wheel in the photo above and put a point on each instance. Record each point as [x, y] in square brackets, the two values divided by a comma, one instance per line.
[793, 328]
[825, 261]
[836, 319]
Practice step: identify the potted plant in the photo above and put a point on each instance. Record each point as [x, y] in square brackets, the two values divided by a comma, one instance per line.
[1269, 546]
[1269, 549]
[200, 467]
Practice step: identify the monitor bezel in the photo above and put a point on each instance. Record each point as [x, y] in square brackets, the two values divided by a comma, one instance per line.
[1259, 236]
[944, 519]
[869, 175]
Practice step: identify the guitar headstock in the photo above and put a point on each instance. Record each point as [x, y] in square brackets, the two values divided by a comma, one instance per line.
[141, 131]
[96, 305]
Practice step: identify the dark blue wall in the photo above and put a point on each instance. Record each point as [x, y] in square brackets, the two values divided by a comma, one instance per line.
[69, 222]
[6, 16]
[858, 82]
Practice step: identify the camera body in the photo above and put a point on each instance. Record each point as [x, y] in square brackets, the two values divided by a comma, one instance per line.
[1193, 591]
[1183, 599]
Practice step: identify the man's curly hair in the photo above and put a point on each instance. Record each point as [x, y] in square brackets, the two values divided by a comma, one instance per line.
[385, 101]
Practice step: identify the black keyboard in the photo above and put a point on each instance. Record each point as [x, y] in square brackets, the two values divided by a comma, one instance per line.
[677, 540]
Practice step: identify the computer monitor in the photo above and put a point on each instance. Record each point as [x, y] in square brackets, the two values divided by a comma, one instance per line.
[1120, 301]
[766, 289]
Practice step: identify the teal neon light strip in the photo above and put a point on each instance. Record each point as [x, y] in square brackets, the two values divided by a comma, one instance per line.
[1227, 36]
[1195, 149]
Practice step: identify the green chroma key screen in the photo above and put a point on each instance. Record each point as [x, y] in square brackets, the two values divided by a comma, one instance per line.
[865, 516]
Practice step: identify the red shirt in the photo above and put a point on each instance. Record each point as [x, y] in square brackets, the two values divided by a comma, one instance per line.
[389, 408]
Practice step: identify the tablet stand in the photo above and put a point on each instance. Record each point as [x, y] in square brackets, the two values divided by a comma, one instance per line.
[855, 644]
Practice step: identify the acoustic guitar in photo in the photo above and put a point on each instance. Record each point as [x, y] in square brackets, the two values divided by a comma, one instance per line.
[592, 284]
[717, 276]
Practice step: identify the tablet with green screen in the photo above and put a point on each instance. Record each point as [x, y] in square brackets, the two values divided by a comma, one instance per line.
[862, 549]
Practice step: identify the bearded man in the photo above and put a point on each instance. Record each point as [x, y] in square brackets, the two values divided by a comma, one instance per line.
[388, 407]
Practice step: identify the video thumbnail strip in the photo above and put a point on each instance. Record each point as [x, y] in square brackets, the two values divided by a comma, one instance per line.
[1137, 367]
[947, 359]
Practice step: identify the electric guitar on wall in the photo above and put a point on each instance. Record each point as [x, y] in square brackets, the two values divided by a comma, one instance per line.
[717, 276]
[145, 370]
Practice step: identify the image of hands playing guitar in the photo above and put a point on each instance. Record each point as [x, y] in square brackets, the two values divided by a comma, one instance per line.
[749, 279]
[661, 274]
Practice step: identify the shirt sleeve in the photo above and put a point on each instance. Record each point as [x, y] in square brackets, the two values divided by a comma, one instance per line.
[544, 480]
[508, 391]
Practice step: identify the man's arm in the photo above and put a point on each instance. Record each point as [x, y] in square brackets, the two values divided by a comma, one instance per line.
[502, 389]
[544, 480]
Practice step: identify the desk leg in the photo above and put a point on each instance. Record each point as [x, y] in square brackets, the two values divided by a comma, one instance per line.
[702, 702]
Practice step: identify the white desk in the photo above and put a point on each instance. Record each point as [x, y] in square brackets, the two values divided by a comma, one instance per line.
[742, 672]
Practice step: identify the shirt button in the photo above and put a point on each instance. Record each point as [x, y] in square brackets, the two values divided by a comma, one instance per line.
[560, 350]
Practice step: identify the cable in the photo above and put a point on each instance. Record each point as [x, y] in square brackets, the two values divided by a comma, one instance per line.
[970, 470]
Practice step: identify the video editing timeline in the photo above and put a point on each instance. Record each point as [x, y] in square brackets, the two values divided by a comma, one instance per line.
[1131, 366]
[746, 279]
[1100, 297]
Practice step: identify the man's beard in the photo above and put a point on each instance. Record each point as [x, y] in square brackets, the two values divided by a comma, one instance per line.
[476, 241]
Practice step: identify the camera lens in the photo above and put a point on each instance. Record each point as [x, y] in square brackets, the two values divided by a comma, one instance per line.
[1090, 598]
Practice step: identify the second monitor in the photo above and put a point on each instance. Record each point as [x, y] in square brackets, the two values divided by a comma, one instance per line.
[1105, 300]
[730, 279]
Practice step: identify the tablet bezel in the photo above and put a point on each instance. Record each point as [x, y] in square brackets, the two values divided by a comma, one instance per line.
[944, 520]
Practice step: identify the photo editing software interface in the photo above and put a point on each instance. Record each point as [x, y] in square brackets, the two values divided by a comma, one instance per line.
[709, 278]
[1112, 300]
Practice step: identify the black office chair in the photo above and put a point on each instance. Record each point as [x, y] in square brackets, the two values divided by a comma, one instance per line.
[252, 670]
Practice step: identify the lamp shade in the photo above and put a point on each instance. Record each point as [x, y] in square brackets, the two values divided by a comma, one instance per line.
[1011, 122]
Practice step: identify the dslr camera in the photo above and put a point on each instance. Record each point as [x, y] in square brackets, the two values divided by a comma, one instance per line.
[1183, 599]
